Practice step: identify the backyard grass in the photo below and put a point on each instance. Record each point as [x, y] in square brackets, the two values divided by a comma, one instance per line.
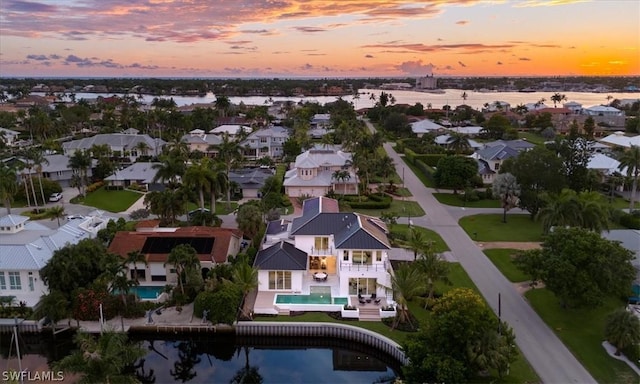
[398, 207]
[403, 192]
[503, 260]
[619, 203]
[112, 201]
[402, 231]
[458, 201]
[281, 169]
[491, 228]
[429, 183]
[533, 138]
[582, 331]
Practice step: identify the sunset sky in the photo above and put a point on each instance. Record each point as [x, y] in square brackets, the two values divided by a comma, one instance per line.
[317, 38]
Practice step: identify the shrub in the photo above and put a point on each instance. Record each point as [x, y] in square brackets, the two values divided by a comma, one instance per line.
[631, 221]
[87, 302]
[95, 186]
[139, 214]
[470, 195]
[221, 305]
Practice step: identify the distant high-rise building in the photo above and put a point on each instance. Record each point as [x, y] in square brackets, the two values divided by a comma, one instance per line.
[427, 82]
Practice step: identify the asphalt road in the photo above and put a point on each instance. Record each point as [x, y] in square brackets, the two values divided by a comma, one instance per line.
[548, 356]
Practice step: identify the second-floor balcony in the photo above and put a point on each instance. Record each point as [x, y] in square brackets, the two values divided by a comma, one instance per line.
[364, 266]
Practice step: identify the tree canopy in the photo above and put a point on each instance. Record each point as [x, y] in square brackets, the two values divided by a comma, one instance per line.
[455, 172]
[580, 267]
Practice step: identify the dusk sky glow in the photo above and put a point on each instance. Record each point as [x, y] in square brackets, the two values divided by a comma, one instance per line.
[318, 38]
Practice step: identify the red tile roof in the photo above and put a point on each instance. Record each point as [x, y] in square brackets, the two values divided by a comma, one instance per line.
[148, 224]
[125, 242]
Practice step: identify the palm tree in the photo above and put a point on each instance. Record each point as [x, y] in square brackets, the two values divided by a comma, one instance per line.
[487, 351]
[143, 148]
[594, 211]
[458, 142]
[622, 329]
[506, 187]
[183, 257]
[406, 283]
[230, 152]
[135, 257]
[218, 182]
[385, 167]
[80, 162]
[56, 212]
[630, 160]
[169, 170]
[37, 158]
[53, 305]
[222, 104]
[557, 98]
[8, 186]
[247, 374]
[246, 278]
[417, 242]
[29, 178]
[464, 97]
[560, 210]
[102, 360]
[433, 267]
[342, 176]
[197, 177]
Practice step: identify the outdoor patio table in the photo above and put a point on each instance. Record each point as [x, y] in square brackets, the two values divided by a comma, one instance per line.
[319, 276]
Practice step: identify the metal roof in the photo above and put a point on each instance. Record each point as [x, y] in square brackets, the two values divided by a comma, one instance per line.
[281, 256]
[12, 220]
[136, 172]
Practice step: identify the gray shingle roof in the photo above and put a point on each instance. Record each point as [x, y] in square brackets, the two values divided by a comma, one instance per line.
[498, 152]
[136, 171]
[281, 256]
[250, 177]
[346, 228]
[113, 140]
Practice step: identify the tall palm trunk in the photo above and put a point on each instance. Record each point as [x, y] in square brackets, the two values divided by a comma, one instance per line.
[41, 189]
[634, 188]
[213, 203]
[26, 192]
[201, 196]
[228, 188]
[33, 189]
[7, 205]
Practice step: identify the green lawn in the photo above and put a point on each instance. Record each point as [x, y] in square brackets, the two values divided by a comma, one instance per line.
[281, 169]
[402, 230]
[403, 192]
[619, 203]
[581, 330]
[458, 201]
[503, 260]
[491, 228]
[425, 180]
[112, 201]
[533, 138]
[400, 208]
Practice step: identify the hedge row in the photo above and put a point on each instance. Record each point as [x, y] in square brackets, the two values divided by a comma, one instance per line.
[430, 159]
[425, 169]
[373, 201]
[631, 221]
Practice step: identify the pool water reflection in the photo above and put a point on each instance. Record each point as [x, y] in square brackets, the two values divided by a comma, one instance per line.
[250, 359]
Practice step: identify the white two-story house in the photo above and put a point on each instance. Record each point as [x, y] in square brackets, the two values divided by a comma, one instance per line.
[349, 250]
[320, 169]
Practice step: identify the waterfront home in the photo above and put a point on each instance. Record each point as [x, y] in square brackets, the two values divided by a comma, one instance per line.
[619, 139]
[575, 108]
[232, 130]
[141, 174]
[314, 173]
[130, 145]
[213, 246]
[330, 258]
[199, 140]
[26, 247]
[603, 110]
[265, 142]
[55, 168]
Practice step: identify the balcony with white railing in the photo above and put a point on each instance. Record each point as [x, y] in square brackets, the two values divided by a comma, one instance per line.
[363, 266]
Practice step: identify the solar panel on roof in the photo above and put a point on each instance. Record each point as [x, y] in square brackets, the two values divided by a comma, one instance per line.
[202, 245]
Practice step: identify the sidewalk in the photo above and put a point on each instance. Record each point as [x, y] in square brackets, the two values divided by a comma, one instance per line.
[139, 204]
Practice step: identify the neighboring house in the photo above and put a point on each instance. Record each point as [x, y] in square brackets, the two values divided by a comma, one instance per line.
[620, 140]
[497, 106]
[491, 156]
[199, 140]
[575, 108]
[55, 168]
[604, 164]
[27, 246]
[277, 230]
[603, 110]
[314, 170]
[444, 141]
[8, 136]
[137, 173]
[250, 180]
[349, 248]
[213, 246]
[232, 130]
[321, 120]
[471, 131]
[120, 144]
[266, 142]
[426, 126]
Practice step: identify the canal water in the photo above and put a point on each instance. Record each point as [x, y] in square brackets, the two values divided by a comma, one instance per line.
[227, 359]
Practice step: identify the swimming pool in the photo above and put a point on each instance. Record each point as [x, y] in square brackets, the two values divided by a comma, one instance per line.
[147, 292]
[310, 299]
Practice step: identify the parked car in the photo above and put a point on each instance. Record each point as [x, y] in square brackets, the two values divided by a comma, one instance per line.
[55, 197]
[197, 211]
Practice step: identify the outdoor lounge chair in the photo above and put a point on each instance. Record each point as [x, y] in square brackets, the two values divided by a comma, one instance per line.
[375, 299]
[361, 299]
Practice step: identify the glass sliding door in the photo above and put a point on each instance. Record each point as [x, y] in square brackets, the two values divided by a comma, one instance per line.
[363, 286]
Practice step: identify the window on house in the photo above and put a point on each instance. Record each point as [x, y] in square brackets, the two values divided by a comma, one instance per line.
[321, 243]
[3, 281]
[497, 166]
[345, 256]
[14, 281]
[158, 278]
[263, 139]
[361, 257]
[31, 287]
[378, 255]
[279, 279]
